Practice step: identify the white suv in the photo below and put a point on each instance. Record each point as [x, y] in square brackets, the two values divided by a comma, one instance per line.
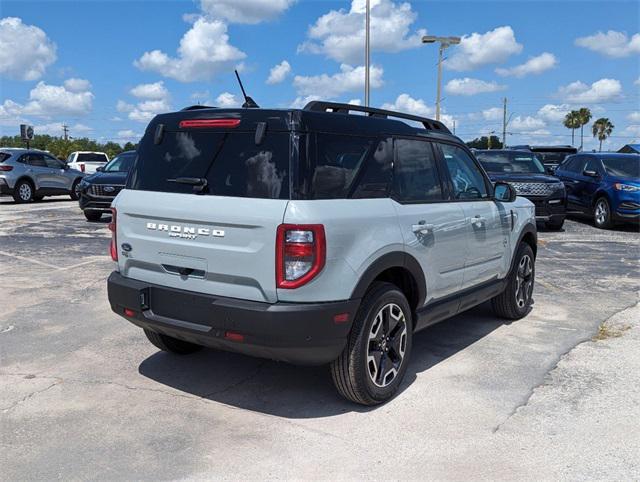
[87, 161]
[313, 236]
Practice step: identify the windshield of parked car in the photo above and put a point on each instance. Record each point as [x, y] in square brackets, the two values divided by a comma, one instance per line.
[96, 157]
[510, 162]
[627, 166]
[552, 157]
[121, 163]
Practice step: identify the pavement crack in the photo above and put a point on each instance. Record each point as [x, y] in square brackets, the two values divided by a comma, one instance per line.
[29, 396]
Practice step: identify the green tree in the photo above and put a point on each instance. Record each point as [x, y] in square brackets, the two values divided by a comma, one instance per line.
[62, 148]
[485, 142]
[584, 116]
[602, 129]
[571, 121]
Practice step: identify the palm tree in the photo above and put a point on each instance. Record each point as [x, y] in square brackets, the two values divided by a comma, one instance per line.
[584, 116]
[571, 122]
[602, 128]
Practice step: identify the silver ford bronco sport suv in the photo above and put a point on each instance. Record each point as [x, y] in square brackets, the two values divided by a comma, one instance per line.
[326, 235]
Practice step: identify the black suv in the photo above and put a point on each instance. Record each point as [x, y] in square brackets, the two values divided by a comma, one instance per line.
[524, 171]
[551, 156]
[98, 190]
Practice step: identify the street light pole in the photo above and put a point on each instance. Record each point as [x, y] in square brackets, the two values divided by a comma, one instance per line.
[367, 53]
[444, 42]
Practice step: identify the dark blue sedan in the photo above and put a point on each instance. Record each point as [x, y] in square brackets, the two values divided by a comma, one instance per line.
[605, 186]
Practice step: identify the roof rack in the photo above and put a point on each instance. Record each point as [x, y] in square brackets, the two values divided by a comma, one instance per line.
[322, 106]
[198, 107]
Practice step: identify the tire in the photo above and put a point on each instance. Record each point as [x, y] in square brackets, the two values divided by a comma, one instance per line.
[74, 190]
[356, 373]
[515, 301]
[92, 215]
[170, 344]
[602, 214]
[554, 226]
[23, 192]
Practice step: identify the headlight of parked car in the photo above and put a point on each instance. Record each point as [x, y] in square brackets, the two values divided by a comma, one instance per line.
[626, 187]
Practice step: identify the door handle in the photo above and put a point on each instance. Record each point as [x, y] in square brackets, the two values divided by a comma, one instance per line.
[422, 228]
[478, 221]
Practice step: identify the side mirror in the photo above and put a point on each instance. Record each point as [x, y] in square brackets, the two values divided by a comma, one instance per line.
[504, 192]
[100, 168]
[589, 173]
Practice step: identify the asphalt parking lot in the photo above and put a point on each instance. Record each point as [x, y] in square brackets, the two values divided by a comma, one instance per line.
[83, 395]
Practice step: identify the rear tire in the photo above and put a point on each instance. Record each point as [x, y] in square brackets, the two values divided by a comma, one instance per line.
[23, 192]
[92, 215]
[515, 301]
[371, 368]
[602, 217]
[170, 344]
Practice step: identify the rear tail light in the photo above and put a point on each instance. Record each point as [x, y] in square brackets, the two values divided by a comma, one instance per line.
[204, 123]
[82, 167]
[300, 254]
[6, 168]
[113, 247]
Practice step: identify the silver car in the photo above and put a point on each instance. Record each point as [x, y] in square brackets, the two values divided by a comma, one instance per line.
[29, 175]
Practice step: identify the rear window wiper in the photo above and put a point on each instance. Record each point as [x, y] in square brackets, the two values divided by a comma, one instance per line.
[199, 183]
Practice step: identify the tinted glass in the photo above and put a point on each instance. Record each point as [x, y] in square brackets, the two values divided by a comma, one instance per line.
[593, 165]
[4, 156]
[53, 163]
[468, 181]
[337, 161]
[231, 163]
[120, 163]
[514, 161]
[552, 157]
[416, 176]
[376, 177]
[36, 160]
[572, 164]
[91, 157]
[627, 166]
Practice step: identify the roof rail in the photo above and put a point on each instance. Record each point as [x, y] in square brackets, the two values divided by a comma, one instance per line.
[322, 106]
[198, 107]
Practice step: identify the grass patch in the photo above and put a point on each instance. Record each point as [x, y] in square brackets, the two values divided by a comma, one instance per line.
[606, 332]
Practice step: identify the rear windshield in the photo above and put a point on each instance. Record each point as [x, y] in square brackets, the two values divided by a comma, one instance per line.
[622, 166]
[4, 156]
[91, 157]
[516, 162]
[231, 163]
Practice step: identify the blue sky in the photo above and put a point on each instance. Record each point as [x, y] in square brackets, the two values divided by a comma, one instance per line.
[106, 67]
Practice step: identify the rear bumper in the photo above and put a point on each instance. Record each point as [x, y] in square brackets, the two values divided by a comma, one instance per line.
[5, 190]
[301, 333]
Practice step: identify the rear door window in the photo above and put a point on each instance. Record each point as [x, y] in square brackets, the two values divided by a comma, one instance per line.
[36, 160]
[231, 163]
[416, 177]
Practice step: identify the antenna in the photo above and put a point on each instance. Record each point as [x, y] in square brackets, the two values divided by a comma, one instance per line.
[249, 103]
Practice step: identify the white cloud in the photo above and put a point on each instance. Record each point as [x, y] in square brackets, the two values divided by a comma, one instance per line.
[204, 51]
[527, 124]
[477, 50]
[127, 135]
[634, 117]
[340, 34]
[469, 86]
[632, 131]
[407, 104]
[349, 79]
[25, 50]
[603, 90]
[279, 72]
[355, 102]
[227, 99]
[492, 114]
[637, 81]
[301, 101]
[55, 129]
[155, 91]
[245, 11]
[611, 44]
[77, 85]
[553, 112]
[533, 66]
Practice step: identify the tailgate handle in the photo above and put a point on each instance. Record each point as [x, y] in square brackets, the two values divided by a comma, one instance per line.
[183, 271]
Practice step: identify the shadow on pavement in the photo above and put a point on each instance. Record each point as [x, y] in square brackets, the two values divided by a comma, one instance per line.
[297, 392]
[631, 227]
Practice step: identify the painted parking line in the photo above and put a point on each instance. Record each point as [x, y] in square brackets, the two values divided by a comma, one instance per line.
[29, 260]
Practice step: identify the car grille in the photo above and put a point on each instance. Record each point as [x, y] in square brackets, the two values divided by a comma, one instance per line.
[105, 190]
[535, 188]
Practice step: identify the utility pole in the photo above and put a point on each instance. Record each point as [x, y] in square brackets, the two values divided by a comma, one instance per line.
[504, 124]
[454, 127]
[65, 130]
[445, 42]
[367, 53]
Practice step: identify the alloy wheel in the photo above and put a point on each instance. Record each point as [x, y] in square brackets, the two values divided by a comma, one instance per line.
[524, 281]
[387, 345]
[602, 212]
[25, 192]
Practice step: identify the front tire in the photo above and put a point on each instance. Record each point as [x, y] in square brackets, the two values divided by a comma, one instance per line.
[74, 194]
[515, 301]
[371, 367]
[23, 192]
[170, 344]
[602, 217]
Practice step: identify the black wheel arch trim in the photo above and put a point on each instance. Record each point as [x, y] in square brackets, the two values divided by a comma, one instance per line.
[29, 180]
[528, 229]
[395, 259]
